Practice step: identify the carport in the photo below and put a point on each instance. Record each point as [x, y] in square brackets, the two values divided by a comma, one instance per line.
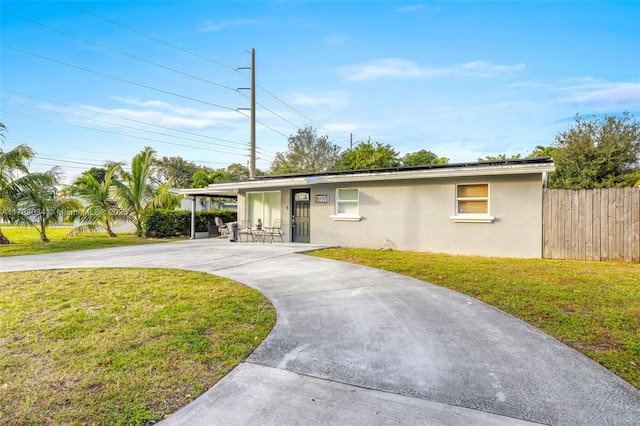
[193, 195]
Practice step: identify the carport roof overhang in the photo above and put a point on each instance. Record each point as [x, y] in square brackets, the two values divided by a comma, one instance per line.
[206, 192]
[510, 167]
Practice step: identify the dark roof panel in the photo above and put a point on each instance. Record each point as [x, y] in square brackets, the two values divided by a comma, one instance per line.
[534, 160]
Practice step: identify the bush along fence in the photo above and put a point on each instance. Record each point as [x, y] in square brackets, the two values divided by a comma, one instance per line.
[174, 223]
[592, 224]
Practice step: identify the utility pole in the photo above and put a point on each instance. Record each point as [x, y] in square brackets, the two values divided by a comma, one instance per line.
[252, 143]
[252, 150]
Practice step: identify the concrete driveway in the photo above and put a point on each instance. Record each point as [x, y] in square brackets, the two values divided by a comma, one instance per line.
[358, 346]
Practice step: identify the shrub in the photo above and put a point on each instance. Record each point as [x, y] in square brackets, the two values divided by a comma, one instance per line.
[157, 223]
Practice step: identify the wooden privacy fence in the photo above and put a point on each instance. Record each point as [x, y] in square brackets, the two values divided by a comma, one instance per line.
[591, 224]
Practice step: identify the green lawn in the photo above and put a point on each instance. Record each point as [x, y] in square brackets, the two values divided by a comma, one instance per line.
[591, 306]
[27, 241]
[119, 346]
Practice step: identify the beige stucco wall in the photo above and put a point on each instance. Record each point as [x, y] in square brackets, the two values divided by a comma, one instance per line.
[415, 216]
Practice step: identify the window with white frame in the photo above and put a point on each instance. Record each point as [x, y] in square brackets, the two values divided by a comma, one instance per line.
[347, 204]
[472, 203]
[264, 206]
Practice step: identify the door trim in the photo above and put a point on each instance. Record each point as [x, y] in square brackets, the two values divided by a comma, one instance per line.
[301, 196]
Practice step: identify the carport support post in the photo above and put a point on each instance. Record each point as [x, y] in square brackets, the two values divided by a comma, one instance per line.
[193, 217]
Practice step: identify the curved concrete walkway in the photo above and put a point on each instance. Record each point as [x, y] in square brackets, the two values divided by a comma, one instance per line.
[359, 346]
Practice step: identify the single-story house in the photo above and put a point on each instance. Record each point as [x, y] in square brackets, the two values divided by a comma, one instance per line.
[483, 208]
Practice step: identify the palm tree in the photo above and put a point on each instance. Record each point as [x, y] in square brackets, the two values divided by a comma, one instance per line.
[139, 190]
[39, 205]
[14, 178]
[100, 210]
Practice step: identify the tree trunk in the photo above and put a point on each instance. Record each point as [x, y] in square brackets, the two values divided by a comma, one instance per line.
[43, 233]
[109, 231]
[3, 239]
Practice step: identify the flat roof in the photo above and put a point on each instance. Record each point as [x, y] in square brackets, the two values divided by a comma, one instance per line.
[482, 168]
[533, 160]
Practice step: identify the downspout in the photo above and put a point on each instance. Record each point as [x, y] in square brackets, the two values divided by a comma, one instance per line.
[193, 217]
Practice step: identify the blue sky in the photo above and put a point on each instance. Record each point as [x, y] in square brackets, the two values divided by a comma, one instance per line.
[87, 81]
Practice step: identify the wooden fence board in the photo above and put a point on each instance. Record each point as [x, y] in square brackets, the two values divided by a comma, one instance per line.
[635, 226]
[611, 221]
[596, 224]
[604, 225]
[597, 198]
[588, 225]
[579, 233]
[568, 223]
[546, 225]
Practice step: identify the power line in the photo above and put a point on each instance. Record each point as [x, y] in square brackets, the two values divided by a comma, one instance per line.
[119, 51]
[119, 134]
[146, 35]
[60, 146]
[115, 78]
[68, 148]
[288, 106]
[268, 127]
[118, 125]
[125, 118]
[57, 165]
[158, 65]
[295, 110]
[200, 57]
[69, 161]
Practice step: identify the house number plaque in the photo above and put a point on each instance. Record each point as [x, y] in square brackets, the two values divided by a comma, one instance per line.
[321, 198]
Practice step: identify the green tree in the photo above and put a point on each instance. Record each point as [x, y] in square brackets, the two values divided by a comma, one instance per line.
[500, 157]
[307, 153]
[39, 204]
[423, 158]
[368, 155]
[100, 211]
[542, 151]
[98, 173]
[236, 172]
[202, 179]
[177, 170]
[15, 179]
[597, 153]
[139, 190]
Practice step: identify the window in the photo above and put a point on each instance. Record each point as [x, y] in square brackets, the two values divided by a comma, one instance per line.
[347, 204]
[264, 206]
[472, 203]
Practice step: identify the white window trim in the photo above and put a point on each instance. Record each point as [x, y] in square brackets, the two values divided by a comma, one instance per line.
[473, 217]
[353, 217]
[346, 217]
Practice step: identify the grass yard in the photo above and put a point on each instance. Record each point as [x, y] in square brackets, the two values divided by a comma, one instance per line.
[591, 306]
[27, 241]
[119, 346]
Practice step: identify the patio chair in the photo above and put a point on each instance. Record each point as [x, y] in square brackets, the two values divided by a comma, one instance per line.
[244, 228]
[275, 231]
[222, 227]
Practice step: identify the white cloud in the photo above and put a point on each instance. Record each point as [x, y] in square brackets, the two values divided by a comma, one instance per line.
[335, 39]
[409, 9]
[160, 113]
[403, 68]
[137, 102]
[486, 69]
[625, 94]
[210, 26]
[334, 99]
[416, 8]
[342, 128]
